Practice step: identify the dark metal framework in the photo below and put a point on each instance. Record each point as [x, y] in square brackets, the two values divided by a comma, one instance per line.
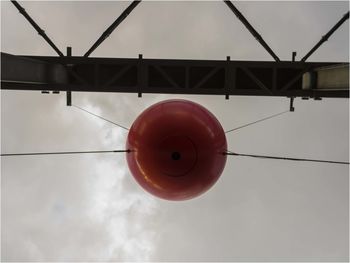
[40, 31]
[226, 77]
[140, 75]
[112, 27]
[326, 36]
[251, 29]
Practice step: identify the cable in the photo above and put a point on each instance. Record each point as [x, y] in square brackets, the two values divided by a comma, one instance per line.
[266, 118]
[52, 153]
[101, 117]
[283, 158]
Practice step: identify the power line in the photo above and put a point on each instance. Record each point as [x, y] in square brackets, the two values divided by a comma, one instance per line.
[283, 158]
[56, 153]
[263, 119]
[98, 116]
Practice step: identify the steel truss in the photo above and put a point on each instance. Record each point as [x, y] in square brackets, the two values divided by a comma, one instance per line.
[226, 77]
[139, 75]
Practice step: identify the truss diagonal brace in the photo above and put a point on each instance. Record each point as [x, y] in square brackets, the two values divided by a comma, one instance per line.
[326, 36]
[257, 36]
[114, 25]
[37, 28]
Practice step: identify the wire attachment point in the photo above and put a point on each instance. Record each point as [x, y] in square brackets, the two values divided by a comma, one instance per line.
[291, 106]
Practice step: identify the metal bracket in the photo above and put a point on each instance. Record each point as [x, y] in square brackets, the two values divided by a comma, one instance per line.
[291, 106]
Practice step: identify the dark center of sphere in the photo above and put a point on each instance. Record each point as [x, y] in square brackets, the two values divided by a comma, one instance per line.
[175, 156]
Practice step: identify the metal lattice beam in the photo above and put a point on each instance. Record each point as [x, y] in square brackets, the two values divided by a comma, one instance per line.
[139, 75]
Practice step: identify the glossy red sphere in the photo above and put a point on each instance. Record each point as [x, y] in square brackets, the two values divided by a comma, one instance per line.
[176, 149]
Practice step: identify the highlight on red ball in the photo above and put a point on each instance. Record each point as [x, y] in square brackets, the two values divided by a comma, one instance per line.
[177, 149]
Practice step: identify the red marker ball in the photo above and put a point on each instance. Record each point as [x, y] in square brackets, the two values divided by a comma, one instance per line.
[177, 149]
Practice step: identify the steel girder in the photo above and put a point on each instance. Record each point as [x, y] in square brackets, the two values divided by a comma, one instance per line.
[169, 76]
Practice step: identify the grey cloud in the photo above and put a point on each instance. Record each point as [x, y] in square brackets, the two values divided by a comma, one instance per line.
[90, 208]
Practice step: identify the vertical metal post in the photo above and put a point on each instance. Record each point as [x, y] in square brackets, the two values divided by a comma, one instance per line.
[140, 77]
[274, 78]
[291, 107]
[227, 77]
[69, 93]
[187, 75]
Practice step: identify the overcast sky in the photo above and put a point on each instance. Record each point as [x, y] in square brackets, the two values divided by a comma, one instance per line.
[88, 207]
